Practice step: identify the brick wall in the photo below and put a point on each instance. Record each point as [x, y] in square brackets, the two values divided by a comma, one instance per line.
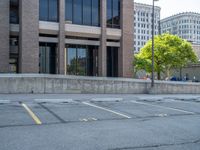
[4, 36]
[126, 50]
[29, 36]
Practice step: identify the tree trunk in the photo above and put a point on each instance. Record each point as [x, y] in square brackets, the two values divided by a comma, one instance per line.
[158, 73]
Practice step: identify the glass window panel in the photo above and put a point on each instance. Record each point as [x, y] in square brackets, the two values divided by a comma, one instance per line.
[44, 10]
[71, 64]
[47, 58]
[109, 12]
[68, 10]
[42, 59]
[14, 12]
[81, 61]
[77, 12]
[95, 12]
[52, 58]
[13, 64]
[53, 10]
[113, 13]
[87, 12]
[116, 12]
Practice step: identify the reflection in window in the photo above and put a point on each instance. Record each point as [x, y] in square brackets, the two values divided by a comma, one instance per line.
[71, 65]
[113, 13]
[49, 10]
[77, 61]
[82, 12]
[82, 60]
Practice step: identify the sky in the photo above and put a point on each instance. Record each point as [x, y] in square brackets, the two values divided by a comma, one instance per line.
[171, 7]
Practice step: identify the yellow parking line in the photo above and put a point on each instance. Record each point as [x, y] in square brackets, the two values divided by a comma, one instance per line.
[33, 116]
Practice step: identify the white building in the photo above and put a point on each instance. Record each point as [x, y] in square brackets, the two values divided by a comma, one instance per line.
[185, 25]
[143, 24]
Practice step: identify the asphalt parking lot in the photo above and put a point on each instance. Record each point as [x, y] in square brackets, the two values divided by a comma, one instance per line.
[99, 122]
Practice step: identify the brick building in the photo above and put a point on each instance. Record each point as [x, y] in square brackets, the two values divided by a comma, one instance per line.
[75, 37]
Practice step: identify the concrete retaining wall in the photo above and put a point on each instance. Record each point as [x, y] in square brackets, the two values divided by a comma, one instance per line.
[35, 83]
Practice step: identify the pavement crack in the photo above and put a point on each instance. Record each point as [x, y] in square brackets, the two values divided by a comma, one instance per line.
[157, 145]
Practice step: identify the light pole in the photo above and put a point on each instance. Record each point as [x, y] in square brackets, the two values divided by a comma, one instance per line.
[152, 74]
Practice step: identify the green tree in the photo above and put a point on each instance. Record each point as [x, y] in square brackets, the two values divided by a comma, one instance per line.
[170, 52]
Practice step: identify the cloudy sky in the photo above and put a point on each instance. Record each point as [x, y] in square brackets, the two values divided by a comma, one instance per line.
[171, 7]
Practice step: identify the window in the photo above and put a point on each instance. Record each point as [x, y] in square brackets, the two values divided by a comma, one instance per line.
[53, 10]
[109, 12]
[49, 10]
[87, 10]
[82, 60]
[77, 11]
[95, 13]
[116, 13]
[83, 12]
[68, 10]
[47, 58]
[14, 12]
[113, 13]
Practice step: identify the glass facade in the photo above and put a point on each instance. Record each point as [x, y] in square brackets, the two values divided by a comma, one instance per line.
[81, 60]
[113, 13]
[47, 58]
[49, 10]
[83, 12]
[14, 11]
[68, 10]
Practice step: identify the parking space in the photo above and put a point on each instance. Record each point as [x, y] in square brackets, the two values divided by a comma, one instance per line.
[138, 109]
[99, 122]
[51, 111]
[12, 114]
[77, 112]
[184, 106]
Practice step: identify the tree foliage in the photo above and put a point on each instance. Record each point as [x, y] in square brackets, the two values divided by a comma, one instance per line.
[170, 51]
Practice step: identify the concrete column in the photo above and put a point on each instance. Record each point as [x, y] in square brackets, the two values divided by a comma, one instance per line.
[29, 36]
[126, 49]
[102, 53]
[4, 35]
[61, 43]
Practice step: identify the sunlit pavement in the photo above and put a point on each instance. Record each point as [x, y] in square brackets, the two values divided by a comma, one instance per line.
[99, 122]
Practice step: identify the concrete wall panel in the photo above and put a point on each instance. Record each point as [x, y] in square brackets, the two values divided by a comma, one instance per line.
[102, 53]
[73, 84]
